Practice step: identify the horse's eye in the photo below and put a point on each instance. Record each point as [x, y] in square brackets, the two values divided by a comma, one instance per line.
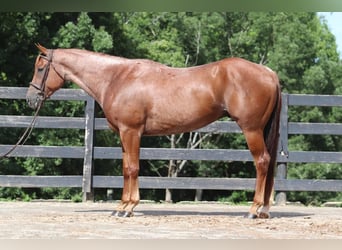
[40, 69]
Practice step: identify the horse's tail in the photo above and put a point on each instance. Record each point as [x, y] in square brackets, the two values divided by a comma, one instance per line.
[271, 131]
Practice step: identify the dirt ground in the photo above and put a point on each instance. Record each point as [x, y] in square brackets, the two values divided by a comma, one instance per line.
[66, 220]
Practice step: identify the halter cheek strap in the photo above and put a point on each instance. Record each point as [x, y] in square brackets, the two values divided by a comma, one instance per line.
[41, 86]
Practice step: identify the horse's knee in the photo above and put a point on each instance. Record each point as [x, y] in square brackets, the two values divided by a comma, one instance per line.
[131, 171]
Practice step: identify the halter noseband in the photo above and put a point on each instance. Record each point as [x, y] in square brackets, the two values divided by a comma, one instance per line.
[46, 69]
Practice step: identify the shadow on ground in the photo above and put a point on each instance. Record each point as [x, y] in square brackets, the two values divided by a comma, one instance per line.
[142, 212]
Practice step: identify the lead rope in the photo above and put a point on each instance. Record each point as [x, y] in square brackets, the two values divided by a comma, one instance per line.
[25, 135]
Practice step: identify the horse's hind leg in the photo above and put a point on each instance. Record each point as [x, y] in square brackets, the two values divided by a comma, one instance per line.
[256, 144]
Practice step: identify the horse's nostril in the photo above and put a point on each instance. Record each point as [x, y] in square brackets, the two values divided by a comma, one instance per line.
[40, 96]
[33, 101]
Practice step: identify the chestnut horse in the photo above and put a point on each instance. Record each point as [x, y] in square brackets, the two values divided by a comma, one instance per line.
[143, 97]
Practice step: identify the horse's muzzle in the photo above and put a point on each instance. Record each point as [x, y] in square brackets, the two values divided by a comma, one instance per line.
[34, 99]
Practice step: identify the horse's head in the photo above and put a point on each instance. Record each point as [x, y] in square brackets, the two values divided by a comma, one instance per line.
[46, 80]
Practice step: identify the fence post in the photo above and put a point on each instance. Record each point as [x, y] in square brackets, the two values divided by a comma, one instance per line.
[87, 181]
[283, 148]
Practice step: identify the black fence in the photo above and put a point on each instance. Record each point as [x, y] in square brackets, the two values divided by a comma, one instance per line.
[89, 152]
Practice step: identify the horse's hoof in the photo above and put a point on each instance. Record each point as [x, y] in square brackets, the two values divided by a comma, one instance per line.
[123, 214]
[264, 215]
[252, 216]
[128, 214]
[258, 216]
[116, 213]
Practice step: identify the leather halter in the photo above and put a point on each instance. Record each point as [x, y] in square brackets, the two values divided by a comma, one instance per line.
[41, 86]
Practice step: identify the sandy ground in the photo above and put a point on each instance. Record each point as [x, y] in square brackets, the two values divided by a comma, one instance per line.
[66, 220]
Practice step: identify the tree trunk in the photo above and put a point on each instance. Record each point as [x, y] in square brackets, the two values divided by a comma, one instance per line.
[175, 167]
[199, 193]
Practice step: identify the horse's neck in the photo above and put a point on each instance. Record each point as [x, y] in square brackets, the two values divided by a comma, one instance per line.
[90, 71]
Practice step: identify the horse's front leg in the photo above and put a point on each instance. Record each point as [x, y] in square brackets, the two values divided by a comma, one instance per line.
[130, 193]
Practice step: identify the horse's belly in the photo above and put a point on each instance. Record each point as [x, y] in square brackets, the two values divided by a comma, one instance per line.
[163, 125]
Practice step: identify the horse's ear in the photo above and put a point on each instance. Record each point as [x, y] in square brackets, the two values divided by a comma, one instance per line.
[41, 48]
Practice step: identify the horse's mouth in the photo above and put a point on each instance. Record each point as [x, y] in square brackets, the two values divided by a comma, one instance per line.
[34, 100]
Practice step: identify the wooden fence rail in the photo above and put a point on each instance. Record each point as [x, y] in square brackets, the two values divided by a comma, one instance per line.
[89, 152]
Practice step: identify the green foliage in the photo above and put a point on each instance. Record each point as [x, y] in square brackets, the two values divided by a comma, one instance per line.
[236, 197]
[298, 46]
[14, 194]
[314, 171]
[73, 194]
[83, 34]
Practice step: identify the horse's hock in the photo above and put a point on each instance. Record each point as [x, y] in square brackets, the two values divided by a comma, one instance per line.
[66, 220]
